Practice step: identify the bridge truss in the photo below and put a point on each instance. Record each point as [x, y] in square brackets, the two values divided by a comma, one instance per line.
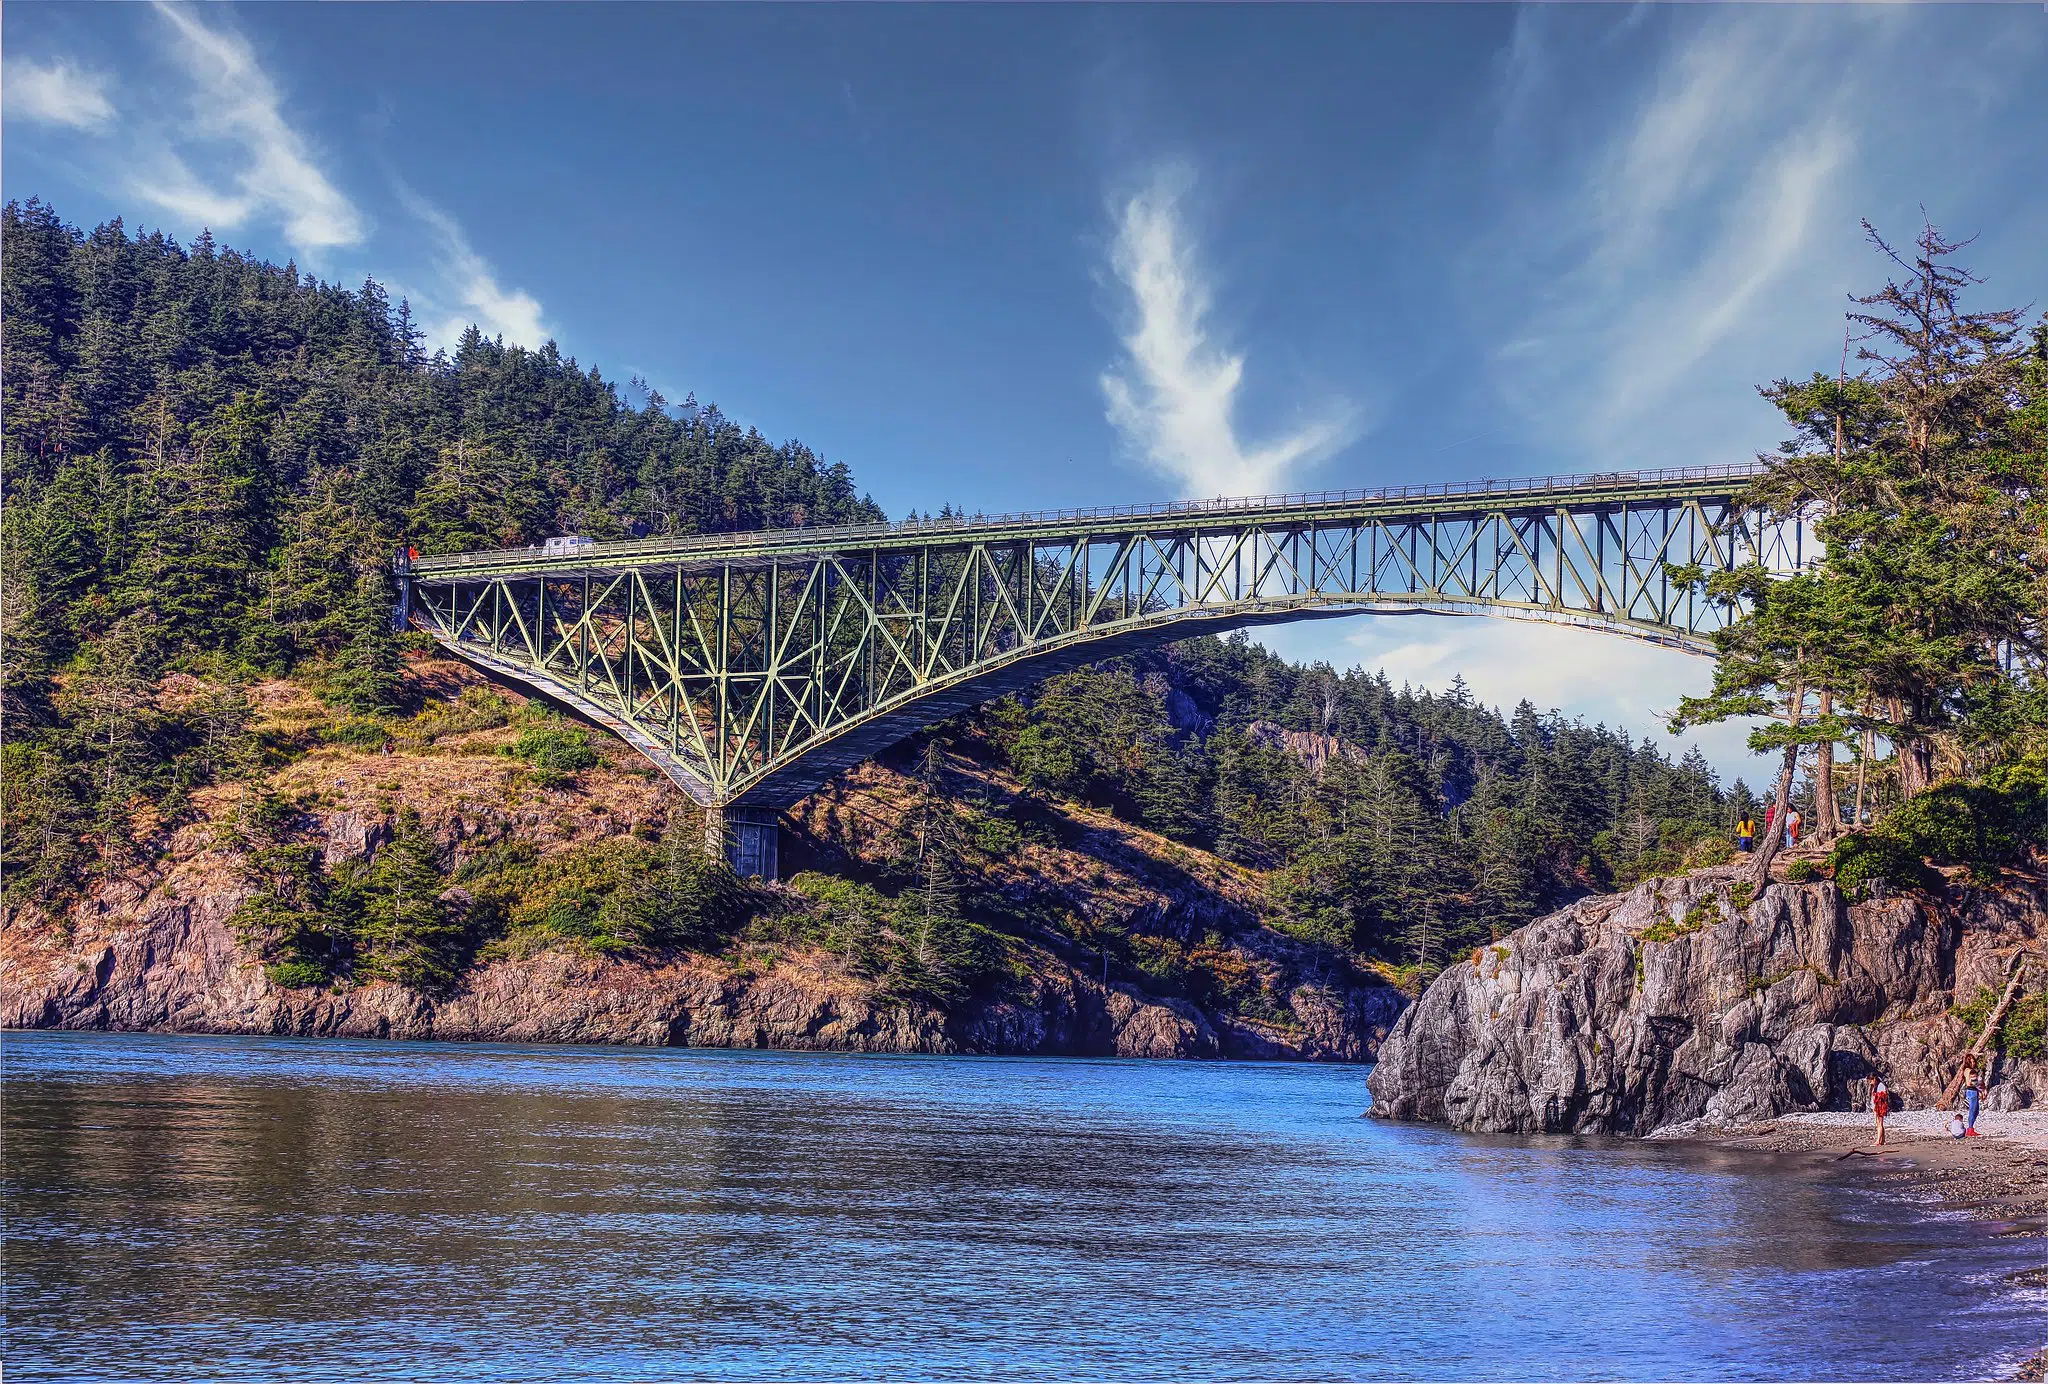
[753, 667]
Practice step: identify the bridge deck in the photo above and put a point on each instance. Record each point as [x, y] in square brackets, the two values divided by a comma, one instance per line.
[1609, 488]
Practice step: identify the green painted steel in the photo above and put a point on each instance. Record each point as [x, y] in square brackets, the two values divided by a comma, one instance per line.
[752, 667]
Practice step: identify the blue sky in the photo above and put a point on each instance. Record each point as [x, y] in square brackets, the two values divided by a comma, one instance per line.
[1014, 257]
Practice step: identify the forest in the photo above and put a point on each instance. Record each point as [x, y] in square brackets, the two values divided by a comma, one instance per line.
[210, 460]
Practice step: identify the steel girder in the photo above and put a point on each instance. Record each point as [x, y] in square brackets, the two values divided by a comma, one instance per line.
[751, 668]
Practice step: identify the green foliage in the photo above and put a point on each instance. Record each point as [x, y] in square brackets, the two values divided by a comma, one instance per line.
[296, 975]
[2022, 1034]
[555, 749]
[993, 837]
[357, 732]
[1991, 821]
[1434, 822]
[1926, 476]
[2025, 1030]
[475, 709]
[1867, 858]
[613, 896]
[850, 919]
[1669, 929]
[1801, 872]
[403, 929]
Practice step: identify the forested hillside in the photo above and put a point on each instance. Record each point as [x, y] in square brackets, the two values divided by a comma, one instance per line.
[1397, 823]
[209, 461]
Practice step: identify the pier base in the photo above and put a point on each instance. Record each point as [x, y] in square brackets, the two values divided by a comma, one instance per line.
[750, 838]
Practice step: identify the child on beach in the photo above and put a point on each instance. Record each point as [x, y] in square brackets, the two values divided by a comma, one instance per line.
[1880, 1106]
[1973, 1094]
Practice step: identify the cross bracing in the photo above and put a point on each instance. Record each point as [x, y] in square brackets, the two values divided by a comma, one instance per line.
[753, 667]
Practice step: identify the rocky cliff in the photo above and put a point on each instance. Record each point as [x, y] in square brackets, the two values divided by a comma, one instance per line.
[174, 965]
[1686, 1000]
[156, 946]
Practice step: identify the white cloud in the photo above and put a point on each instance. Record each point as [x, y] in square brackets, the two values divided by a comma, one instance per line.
[57, 94]
[470, 281]
[1175, 397]
[234, 103]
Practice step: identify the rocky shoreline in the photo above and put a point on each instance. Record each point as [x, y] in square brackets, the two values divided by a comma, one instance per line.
[178, 968]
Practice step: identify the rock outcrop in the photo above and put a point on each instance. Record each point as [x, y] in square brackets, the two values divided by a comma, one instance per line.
[1314, 749]
[1670, 1004]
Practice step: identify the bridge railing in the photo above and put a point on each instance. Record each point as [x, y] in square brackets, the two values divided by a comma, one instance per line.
[694, 544]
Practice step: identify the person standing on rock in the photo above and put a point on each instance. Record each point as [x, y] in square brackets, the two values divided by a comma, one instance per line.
[1973, 1095]
[1880, 1106]
[1745, 834]
[1793, 821]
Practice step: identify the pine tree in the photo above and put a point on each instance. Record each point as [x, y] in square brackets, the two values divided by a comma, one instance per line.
[406, 932]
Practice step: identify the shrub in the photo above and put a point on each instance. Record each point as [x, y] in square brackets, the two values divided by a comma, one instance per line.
[1163, 961]
[554, 749]
[1708, 851]
[1988, 822]
[296, 975]
[850, 919]
[2025, 1030]
[1801, 872]
[478, 708]
[995, 837]
[1671, 929]
[1860, 860]
[358, 732]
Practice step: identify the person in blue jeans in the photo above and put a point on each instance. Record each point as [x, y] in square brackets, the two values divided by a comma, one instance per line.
[1973, 1095]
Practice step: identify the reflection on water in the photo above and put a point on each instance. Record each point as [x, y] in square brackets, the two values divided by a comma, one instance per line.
[268, 1208]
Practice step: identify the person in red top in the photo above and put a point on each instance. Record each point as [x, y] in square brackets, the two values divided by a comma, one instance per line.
[1880, 1106]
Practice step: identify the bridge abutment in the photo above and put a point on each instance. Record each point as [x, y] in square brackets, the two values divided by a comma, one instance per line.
[750, 837]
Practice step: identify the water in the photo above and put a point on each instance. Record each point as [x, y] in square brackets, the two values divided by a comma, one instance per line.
[266, 1209]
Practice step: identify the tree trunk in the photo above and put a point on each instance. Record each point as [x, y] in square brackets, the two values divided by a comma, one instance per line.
[1767, 849]
[1916, 766]
[1863, 768]
[1976, 1052]
[1827, 818]
[1915, 752]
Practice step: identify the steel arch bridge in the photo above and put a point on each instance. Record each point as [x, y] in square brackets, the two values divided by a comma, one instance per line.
[752, 667]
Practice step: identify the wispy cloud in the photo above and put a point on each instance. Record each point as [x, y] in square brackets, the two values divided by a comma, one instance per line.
[1643, 286]
[206, 140]
[271, 169]
[57, 93]
[471, 282]
[1174, 397]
